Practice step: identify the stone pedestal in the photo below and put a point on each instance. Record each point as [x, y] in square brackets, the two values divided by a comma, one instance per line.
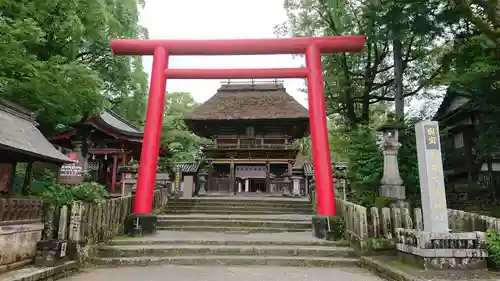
[50, 253]
[391, 184]
[442, 251]
[296, 185]
[140, 224]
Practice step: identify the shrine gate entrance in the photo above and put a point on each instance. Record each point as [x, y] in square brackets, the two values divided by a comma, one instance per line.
[311, 47]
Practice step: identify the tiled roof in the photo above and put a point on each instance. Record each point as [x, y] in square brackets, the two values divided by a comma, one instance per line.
[309, 168]
[188, 167]
[118, 122]
[18, 133]
[250, 102]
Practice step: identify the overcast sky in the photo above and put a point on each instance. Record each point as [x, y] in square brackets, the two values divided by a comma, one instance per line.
[217, 19]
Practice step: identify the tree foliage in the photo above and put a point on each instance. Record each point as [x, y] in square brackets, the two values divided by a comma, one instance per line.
[56, 59]
[183, 144]
[451, 43]
[353, 82]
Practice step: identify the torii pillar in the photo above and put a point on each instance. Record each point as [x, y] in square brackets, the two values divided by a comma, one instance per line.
[143, 221]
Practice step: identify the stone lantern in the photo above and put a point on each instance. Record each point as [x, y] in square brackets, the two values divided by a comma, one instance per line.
[391, 184]
[202, 181]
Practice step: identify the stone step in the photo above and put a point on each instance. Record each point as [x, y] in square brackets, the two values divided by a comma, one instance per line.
[225, 239]
[240, 217]
[231, 229]
[223, 250]
[230, 261]
[235, 223]
[231, 207]
[239, 203]
[231, 198]
[235, 211]
[33, 273]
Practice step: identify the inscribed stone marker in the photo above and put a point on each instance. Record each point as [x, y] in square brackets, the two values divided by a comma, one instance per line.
[430, 167]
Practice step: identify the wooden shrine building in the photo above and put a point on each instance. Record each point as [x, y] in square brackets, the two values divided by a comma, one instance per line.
[106, 142]
[252, 126]
[22, 142]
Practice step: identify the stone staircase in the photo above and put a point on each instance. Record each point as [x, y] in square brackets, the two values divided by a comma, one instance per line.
[230, 231]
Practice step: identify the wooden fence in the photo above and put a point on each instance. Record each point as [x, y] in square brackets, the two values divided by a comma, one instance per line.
[362, 223]
[94, 222]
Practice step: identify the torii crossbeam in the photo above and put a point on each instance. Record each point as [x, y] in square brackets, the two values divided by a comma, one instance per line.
[312, 47]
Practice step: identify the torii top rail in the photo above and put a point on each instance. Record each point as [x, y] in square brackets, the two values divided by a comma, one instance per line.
[312, 47]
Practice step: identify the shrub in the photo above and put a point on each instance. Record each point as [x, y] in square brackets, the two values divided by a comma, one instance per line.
[493, 247]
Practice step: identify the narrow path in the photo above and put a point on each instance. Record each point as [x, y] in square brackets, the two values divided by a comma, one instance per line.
[220, 273]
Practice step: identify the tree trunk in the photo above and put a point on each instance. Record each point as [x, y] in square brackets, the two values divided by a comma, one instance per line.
[399, 102]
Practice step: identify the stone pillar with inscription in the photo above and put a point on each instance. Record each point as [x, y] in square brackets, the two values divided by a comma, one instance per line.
[391, 184]
[436, 247]
[430, 167]
[177, 182]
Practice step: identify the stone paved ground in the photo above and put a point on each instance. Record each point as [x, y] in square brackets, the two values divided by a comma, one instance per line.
[219, 273]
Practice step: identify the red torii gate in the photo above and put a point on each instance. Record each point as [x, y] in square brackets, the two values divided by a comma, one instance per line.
[312, 47]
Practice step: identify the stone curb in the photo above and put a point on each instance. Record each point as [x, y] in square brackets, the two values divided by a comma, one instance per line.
[225, 250]
[235, 223]
[227, 261]
[125, 242]
[43, 273]
[385, 271]
[244, 211]
[231, 229]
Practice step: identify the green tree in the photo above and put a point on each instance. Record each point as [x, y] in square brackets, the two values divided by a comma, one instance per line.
[483, 15]
[353, 82]
[183, 144]
[56, 59]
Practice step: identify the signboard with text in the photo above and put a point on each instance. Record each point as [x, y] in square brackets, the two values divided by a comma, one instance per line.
[430, 166]
[72, 173]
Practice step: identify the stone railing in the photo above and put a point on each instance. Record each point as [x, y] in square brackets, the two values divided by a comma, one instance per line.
[384, 222]
[355, 218]
[466, 222]
[94, 222]
[378, 229]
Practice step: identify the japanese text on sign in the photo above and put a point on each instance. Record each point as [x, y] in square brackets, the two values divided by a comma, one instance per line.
[431, 134]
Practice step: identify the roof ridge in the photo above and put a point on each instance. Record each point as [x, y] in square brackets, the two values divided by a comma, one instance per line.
[17, 111]
[122, 119]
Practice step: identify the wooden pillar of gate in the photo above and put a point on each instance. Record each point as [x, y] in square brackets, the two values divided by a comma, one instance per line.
[268, 178]
[232, 177]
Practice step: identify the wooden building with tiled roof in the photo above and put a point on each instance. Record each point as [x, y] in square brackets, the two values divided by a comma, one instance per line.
[252, 126]
[21, 142]
[106, 143]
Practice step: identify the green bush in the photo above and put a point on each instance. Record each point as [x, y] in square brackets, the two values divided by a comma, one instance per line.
[493, 247]
[91, 192]
[60, 194]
